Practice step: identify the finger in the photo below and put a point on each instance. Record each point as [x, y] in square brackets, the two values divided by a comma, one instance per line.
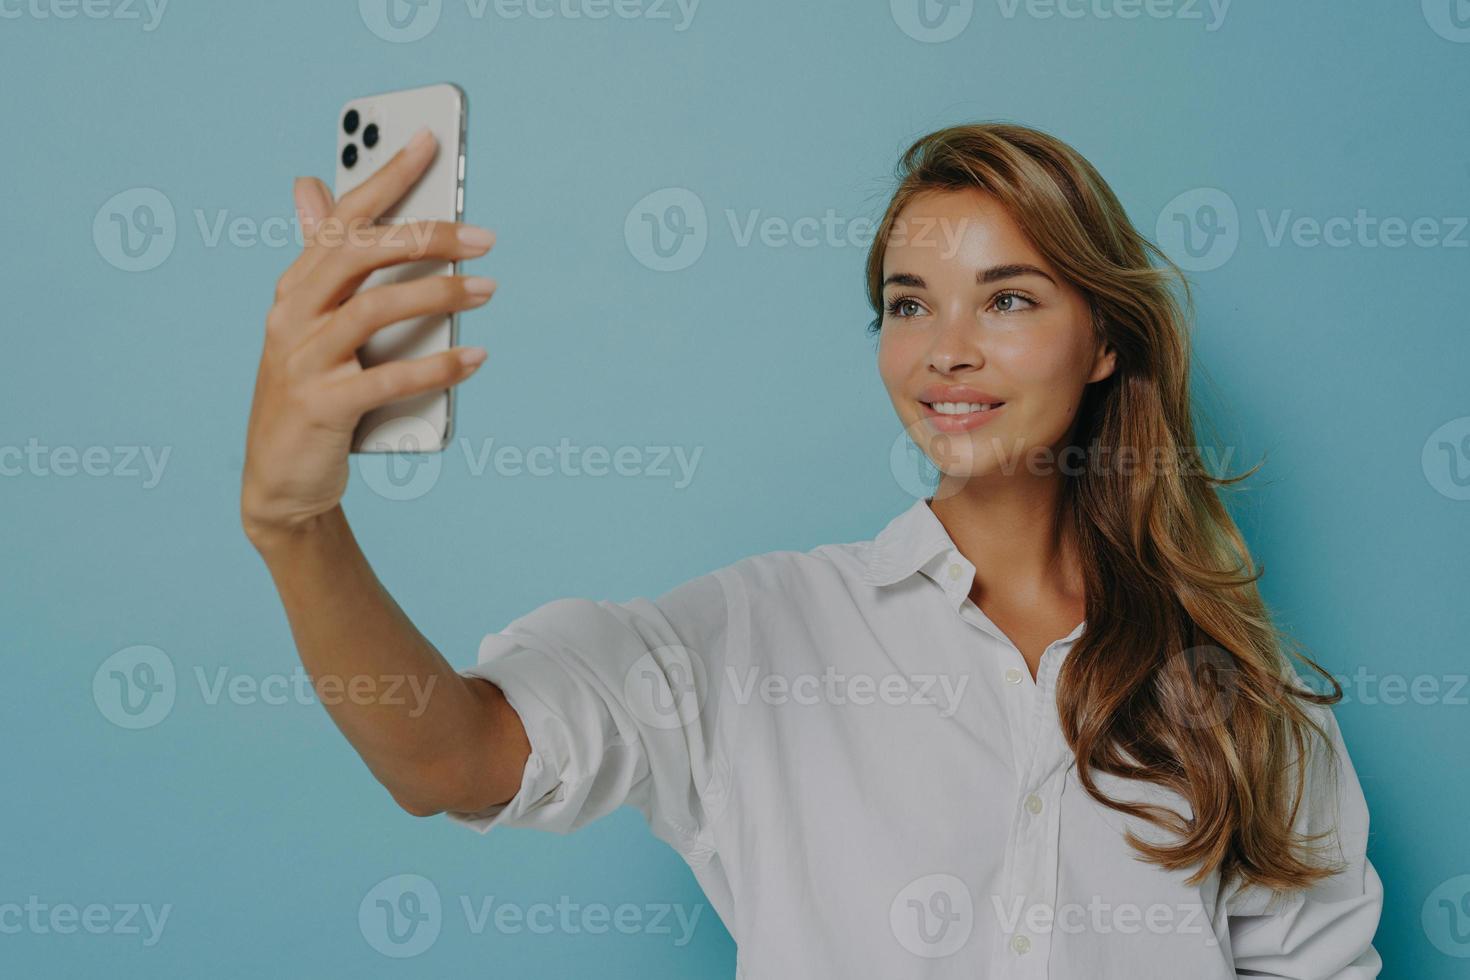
[345, 266]
[313, 206]
[313, 203]
[397, 380]
[373, 309]
[381, 191]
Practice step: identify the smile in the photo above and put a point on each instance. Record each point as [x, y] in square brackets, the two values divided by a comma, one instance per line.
[960, 416]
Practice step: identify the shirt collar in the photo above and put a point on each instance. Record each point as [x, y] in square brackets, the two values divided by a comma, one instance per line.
[915, 541]
[912, 541]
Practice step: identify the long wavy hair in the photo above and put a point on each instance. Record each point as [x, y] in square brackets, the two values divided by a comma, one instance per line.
[1180, 678]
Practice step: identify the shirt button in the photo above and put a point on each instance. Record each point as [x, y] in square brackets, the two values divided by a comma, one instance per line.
[1013, 675]
[955, 570]
[1033, 803]
[1021, 944]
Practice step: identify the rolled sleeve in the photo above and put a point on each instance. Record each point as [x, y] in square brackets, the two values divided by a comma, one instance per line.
[553, 709]
[617, 703]
[1324, 932]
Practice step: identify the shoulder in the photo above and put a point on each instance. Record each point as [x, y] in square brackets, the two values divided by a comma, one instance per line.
[775, 574]
[771, 591]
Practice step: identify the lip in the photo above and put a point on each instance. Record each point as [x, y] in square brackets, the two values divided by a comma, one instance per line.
[958, 393]
[959, 423]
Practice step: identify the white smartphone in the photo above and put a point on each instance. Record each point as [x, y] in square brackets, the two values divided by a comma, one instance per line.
[370, 130]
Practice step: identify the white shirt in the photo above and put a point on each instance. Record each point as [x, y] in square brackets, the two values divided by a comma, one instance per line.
[866, 781]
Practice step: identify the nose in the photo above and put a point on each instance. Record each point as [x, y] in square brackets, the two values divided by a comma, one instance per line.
[956, 344]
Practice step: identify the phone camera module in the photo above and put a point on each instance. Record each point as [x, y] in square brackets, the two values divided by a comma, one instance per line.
[350, 121]
[370, 136]
[349, 155]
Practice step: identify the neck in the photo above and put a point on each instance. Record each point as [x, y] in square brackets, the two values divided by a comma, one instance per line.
[1008, 528]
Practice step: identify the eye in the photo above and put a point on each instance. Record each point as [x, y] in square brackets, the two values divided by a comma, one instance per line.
[1006, 302]
[898, 306]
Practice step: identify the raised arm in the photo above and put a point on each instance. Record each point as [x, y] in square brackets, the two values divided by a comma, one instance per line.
[436, 739]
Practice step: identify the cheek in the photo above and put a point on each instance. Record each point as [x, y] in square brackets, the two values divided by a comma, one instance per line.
[1043, 373]
[1032, 361]
[896, 355]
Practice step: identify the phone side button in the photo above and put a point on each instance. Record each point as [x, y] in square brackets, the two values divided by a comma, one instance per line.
[461, 166]
[459, 200]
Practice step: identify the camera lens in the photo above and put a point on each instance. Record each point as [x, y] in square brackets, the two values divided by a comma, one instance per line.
[349, 122]
[349, 155]
[370, 136]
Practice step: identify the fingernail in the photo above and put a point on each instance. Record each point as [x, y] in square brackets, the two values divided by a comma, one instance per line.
[471, 356]
[476, 237]
[479, 286]
[421, 139]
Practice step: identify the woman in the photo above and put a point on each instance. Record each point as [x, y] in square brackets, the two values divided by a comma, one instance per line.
[1040, 725]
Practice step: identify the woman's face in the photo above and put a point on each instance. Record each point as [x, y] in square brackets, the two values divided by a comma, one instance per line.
[973, 316]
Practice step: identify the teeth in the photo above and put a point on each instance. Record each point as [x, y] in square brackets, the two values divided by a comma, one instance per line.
[960, 408]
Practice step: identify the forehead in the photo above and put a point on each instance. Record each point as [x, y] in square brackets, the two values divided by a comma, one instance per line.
[967, 228]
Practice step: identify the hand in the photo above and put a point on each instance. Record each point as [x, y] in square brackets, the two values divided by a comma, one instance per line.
[310, 389]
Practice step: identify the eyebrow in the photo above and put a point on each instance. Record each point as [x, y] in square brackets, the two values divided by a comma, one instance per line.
[984, 277]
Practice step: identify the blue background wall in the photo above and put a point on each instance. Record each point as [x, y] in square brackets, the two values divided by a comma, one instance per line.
[256, 823]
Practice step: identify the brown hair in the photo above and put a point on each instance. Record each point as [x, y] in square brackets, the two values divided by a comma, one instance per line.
[1180, 678]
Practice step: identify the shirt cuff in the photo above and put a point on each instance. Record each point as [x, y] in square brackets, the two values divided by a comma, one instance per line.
[532, 682]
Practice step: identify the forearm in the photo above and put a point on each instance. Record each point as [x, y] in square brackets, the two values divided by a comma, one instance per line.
[436, 739]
